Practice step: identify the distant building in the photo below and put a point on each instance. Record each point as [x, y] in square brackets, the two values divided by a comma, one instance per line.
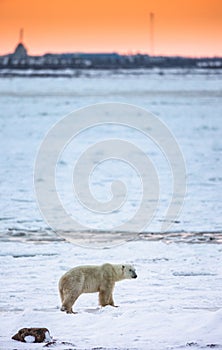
[20, 52]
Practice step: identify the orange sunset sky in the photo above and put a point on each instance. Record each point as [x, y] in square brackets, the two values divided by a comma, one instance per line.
[183, 27]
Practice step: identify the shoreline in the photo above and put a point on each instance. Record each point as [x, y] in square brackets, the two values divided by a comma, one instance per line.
[100, 238]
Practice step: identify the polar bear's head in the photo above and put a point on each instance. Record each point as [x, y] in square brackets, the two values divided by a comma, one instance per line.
[129, 271]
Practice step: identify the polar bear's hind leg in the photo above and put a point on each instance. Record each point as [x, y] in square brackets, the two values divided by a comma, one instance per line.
[68, 302]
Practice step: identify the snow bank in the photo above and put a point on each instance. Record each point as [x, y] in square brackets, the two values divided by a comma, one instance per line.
[174, 303]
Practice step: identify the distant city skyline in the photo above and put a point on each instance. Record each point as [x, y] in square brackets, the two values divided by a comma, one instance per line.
[188, 27]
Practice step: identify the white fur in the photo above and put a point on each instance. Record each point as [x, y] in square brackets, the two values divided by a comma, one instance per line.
[92, 279]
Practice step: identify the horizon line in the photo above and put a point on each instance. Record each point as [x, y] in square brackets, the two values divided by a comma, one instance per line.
[115, 52]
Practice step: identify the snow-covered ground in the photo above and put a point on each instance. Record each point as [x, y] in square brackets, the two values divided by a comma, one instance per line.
[175, 303]
[188, 102]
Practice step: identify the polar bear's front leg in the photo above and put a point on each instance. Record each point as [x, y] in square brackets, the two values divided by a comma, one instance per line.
[106, 296]
[111, 302]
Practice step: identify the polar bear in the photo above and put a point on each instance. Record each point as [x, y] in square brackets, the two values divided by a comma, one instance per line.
[92, 279]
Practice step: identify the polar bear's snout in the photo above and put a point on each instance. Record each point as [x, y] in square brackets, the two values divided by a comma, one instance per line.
[130, 271]
[134, 275]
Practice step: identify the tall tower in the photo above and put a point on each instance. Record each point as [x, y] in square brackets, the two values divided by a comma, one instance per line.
[152, 33]
[21, 34]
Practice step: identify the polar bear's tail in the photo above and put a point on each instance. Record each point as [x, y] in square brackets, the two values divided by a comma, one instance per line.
[62, 298]
[61, 291]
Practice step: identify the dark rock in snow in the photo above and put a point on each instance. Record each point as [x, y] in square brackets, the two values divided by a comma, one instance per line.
[33, 335]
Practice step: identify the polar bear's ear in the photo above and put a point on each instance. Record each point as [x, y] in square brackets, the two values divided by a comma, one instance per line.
[123, 267]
